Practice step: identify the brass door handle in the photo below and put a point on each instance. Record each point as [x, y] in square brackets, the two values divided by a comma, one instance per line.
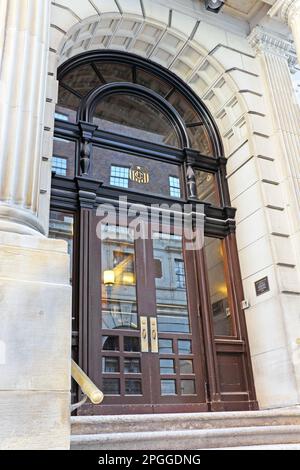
[144, 334]
[154, 338]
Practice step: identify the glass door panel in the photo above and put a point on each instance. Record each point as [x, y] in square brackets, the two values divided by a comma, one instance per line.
[177, 363]
[150, 359]
[170, 283]
[123, 367]
[119, 301]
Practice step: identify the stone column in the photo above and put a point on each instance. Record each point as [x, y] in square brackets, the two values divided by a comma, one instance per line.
[276, 57]
[289, 12]
[35, 300]
[24, 44]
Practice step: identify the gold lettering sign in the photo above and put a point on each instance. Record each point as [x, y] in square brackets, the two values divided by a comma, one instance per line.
[139, 174]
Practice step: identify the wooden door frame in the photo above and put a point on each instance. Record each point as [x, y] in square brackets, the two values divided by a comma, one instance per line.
[90, 267]
[170, 404]
[86, 195]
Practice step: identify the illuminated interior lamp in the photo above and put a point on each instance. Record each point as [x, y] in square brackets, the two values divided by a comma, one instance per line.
[222, 289]
[109, 278]
[214, 5]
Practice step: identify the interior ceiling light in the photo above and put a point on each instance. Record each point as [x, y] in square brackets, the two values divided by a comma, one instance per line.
[214, 5]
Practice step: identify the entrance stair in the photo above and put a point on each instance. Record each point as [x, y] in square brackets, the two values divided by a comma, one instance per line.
[271, 429]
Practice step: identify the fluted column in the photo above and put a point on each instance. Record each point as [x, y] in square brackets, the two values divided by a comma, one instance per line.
[289, 12]
[277, 57]
[24, 42]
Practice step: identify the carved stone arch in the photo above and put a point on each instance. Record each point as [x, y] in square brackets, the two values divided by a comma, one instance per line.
[173, 47]
[197, 57]
[224, 79]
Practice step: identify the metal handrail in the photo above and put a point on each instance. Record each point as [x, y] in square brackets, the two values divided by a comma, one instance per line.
[87, 386]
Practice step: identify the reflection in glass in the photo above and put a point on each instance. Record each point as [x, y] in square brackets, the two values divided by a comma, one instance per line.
[174, 183]
[63, 160]
[110, 343]
[165, 346]
[132, 344]
[132, 365]
[148, 80]
[168, 387]
[133, 387]
[67, 104]
[119, 176]
[173, 324]
[166, 366]
[127, 114]
[180, 274]
[110, 364]
[111, 386]
[222, 319]
[135, 117]
[187, 387]
[112, 72]
[186, 366]
[184, 108]
[59, 165]
[172, 309]
[184, 346]
[206, 187]
[82, 79]
[200, 140]
[61, 226]
[119, 306]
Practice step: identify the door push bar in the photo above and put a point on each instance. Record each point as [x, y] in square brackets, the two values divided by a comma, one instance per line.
[145, 335]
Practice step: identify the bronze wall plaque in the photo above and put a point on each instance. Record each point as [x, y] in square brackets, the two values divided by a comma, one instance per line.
[139, 174]
[262, 286]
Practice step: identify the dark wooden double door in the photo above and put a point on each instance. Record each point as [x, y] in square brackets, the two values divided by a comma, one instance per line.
[143, 341]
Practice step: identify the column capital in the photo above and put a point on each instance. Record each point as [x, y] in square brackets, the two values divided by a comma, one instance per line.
[289, 12]
[285, 10]
[262, 40]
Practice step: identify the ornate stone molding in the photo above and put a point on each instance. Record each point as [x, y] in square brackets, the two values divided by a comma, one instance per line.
[289, 12]
[284, 9]
[265, 41]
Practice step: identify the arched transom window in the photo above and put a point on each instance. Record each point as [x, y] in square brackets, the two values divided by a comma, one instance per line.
[117, 113]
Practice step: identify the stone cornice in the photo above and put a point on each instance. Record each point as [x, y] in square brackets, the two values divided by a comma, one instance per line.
[265, 41]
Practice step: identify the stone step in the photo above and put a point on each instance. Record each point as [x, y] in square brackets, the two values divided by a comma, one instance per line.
[183, 421]
[189, 439]
[263, 447]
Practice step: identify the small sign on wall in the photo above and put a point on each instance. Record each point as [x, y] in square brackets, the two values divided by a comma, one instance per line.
[262, 286]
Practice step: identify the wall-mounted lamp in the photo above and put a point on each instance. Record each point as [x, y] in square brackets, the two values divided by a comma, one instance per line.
[214, 5]
[109, 278]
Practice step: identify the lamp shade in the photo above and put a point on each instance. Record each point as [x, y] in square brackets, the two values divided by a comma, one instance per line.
[214, 5]
[109, 277]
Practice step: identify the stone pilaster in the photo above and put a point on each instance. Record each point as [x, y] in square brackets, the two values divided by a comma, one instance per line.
[276, 57]
[24, 44]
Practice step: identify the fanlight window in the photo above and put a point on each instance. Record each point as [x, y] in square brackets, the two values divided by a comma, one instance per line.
[130, 115]
[133, 116]
[118, 116]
